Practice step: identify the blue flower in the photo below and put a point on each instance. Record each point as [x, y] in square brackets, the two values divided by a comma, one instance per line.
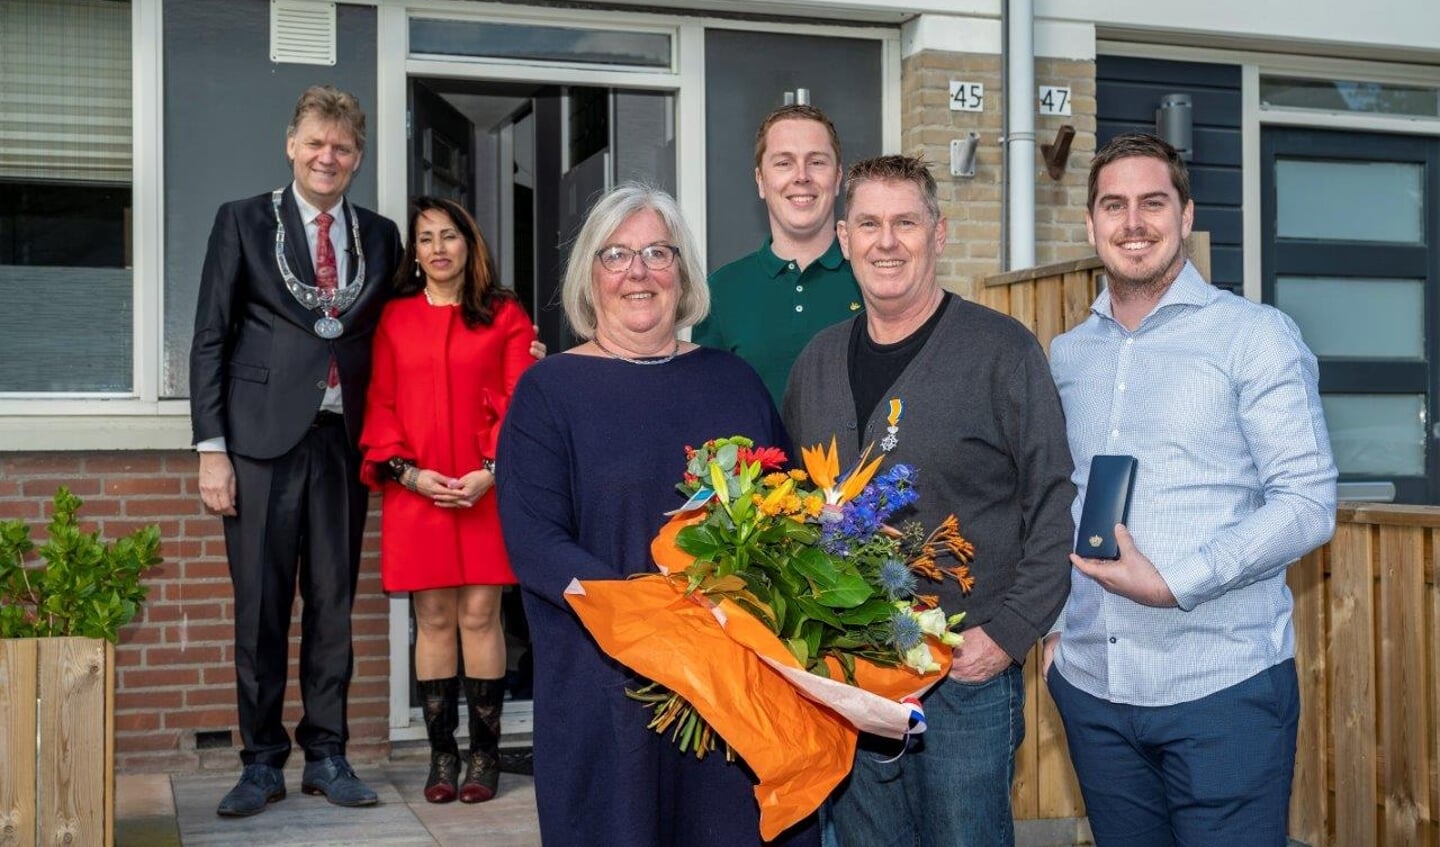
[905, 631]
[897, 579]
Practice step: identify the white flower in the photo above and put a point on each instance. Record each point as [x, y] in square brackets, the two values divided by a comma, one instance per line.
[934, 623]
[919, 658]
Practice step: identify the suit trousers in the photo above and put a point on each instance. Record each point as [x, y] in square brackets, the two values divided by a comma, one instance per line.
[300, 519]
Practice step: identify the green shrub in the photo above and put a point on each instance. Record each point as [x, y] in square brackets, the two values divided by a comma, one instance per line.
[85, 587]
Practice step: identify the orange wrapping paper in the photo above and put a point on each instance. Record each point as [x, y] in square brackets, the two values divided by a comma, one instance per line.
[733, 670]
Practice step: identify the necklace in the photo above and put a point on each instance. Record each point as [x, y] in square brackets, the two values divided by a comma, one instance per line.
[432, 301]
[657, 361]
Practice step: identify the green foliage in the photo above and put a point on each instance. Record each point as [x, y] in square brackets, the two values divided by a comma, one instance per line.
[86, 587]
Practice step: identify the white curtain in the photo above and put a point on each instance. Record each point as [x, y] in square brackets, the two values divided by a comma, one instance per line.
[65, 90]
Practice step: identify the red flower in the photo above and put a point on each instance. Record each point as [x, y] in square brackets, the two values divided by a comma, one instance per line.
[770, 458]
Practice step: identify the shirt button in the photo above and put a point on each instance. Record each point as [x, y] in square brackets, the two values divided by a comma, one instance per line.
[1114, 433]
[1122, 386]
[1112, 639]
[799, 288]
[1129, 341]
[791, 266]
[799, 308]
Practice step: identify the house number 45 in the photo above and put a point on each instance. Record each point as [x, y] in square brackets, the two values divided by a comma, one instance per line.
[967, 96]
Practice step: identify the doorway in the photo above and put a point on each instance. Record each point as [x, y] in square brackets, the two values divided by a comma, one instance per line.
[528, 160]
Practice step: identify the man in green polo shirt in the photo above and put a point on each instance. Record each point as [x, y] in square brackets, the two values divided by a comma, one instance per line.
[765, 307]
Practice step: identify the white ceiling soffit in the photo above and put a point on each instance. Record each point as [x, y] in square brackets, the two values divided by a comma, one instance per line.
[302, 32]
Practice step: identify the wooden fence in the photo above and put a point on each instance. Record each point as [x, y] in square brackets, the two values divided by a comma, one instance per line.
[56, 742]
[1367, 617]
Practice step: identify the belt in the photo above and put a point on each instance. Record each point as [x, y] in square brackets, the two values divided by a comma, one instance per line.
[327, 418]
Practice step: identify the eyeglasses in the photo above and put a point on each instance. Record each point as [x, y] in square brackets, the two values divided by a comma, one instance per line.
[657, 257]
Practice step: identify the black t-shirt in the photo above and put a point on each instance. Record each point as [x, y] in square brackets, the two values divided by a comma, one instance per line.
[875, 367]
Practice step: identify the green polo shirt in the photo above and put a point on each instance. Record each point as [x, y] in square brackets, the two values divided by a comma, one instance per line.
[765, 309]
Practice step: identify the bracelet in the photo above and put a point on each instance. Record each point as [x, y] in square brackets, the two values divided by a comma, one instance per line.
[489, 465]
[411, 479]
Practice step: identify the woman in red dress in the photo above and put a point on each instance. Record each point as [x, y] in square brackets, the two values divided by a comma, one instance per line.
[448, 352]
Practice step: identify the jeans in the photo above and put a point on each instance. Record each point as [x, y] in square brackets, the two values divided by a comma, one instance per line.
[951, 787]
[1211, 771]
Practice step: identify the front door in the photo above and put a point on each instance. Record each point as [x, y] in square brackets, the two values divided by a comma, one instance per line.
[1352, 253]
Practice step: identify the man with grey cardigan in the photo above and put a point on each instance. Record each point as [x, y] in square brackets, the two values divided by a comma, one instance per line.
[964, 395]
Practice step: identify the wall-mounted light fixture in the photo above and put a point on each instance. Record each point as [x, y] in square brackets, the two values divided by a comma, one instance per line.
[798, 97]
[962, 155]
[1173, 123]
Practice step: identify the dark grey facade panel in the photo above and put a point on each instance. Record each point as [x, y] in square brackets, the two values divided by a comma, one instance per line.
[1129, 89]
[226, 109]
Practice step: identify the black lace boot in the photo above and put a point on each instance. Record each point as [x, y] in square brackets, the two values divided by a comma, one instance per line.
[484, 698]
[441, 706]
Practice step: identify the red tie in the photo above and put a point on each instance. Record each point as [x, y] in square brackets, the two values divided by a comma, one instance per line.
[326, 277]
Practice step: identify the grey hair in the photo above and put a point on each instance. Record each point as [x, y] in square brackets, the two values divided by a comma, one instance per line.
[577, 290]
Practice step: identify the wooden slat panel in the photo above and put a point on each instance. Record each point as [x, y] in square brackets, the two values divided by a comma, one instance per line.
[1404, 725]
[18, 657]
[1309, 796]
[72, 723]
[109, 775]
[996, 298]
[1432, 679]
[1059, 789]
[1025, 792]
[1079, 292]
[1022, 303]
[1049, 309]
[1352, 706]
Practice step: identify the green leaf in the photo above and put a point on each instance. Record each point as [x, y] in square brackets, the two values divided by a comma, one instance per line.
[800, 649]
[850, 590]
[816, 566]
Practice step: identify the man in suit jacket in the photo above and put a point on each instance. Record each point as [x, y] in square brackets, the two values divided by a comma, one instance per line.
[278, 378]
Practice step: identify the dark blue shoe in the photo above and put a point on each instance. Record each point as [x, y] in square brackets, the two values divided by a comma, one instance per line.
[334, 778]
[259, 786]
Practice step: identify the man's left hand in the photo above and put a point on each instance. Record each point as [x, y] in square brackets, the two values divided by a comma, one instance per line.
[979, 658]
[1132, 576]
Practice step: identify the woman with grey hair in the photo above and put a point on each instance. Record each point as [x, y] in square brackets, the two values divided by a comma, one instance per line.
[592, 447]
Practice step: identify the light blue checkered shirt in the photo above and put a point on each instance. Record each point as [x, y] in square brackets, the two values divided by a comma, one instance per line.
[1217, 398]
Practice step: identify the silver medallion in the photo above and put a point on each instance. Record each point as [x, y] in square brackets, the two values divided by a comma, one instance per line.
[328, 327]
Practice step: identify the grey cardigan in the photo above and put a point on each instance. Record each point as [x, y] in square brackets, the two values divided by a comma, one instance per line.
[983, 427]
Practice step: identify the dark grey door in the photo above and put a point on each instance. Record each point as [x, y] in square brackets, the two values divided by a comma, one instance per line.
[746, 76]
[1352, 252]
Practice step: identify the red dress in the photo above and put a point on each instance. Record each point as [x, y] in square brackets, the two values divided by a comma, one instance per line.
[437, 395]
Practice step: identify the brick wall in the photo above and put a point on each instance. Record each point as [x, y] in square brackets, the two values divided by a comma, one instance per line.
[973, 206]
[175, 673]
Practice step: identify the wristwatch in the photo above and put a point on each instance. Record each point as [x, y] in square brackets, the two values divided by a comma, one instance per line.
[489, 465]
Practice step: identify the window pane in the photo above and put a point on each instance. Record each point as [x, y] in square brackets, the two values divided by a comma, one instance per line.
[65, 199]
[539, 43]
[1348, 96]
[1377, 434]
[1350, 201]
[1357, 318]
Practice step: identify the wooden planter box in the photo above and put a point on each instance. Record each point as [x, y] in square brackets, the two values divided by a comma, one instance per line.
[57, 753]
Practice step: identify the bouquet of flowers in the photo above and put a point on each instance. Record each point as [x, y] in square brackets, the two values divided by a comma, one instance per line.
[788, 616]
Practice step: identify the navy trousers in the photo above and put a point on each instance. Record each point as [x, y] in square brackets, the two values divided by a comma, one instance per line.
[1211, 771]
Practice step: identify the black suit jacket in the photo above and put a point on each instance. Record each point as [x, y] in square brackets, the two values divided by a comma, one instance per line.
[257, 368]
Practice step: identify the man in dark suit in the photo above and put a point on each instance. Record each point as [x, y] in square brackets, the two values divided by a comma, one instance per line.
[292, 288]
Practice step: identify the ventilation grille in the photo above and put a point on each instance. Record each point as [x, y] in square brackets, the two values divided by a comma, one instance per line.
[302, 32]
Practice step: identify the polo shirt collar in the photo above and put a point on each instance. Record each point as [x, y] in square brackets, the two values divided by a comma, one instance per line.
[773, 265]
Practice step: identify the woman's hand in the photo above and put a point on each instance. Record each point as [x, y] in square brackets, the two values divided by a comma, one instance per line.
[451, 493]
